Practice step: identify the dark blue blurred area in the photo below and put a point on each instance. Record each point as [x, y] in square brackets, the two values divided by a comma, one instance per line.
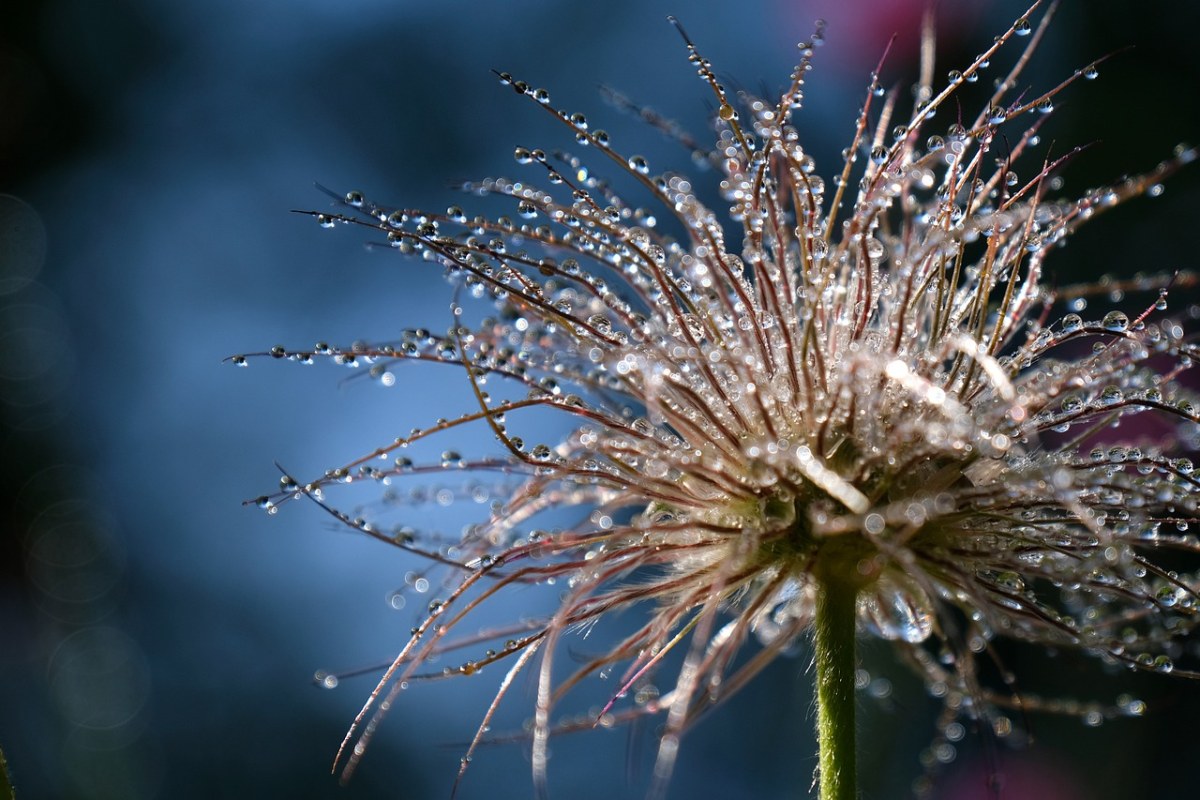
[159, 639]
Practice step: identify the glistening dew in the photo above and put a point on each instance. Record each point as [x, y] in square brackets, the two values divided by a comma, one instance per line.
[862, 380]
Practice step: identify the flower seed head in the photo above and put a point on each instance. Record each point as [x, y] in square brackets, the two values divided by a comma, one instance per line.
[861, 379]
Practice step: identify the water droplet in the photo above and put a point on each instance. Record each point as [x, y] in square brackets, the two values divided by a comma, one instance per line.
[1111, 395]
[1115, 321]
[1071, 323]
[1071, 404]
[1011, 581]
[897, 608]
[1131, 706]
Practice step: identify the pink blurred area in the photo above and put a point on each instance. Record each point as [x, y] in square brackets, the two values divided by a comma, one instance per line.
[863, 29]
[1019, 776]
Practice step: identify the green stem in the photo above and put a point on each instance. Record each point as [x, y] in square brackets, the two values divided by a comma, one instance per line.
[6, 789]
[834, 642]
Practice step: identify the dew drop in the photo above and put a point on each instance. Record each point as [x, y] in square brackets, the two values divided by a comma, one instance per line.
[1111, 395]
[897, 609]
[1071, 404]
[1115, 321]
[1131, 706]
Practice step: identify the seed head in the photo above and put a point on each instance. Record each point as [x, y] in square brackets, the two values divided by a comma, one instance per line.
[863, 379]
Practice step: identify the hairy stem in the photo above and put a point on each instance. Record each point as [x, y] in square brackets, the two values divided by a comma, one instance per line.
[834, 644]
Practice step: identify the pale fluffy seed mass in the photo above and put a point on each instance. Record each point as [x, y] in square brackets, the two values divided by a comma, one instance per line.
[865, 369]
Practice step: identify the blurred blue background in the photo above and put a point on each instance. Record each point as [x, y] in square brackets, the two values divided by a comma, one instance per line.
[159, 639]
